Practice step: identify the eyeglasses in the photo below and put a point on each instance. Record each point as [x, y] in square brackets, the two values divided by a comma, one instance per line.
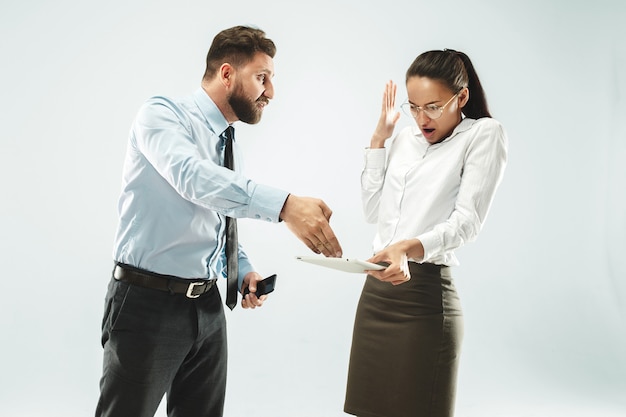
[433, 111]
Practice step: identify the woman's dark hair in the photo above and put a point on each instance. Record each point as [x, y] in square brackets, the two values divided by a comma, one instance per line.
[237, 46]
[455, 70]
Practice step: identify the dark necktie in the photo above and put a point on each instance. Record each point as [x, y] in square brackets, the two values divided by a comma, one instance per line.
[232, 268]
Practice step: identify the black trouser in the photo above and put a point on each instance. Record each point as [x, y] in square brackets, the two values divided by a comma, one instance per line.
[156, 343]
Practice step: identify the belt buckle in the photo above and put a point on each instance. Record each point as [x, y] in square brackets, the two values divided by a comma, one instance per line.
[193, 285]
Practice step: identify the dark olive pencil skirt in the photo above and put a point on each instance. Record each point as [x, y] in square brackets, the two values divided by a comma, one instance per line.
[405, 347]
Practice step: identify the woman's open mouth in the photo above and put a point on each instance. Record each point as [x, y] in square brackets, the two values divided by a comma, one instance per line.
[428, 133]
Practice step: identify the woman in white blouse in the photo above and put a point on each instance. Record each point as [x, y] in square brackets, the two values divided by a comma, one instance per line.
[429, 190]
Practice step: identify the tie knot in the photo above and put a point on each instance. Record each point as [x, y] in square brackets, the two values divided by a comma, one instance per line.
[229, 160]
[229, 133]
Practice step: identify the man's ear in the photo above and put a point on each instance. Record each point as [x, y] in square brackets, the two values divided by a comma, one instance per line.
[226, 73]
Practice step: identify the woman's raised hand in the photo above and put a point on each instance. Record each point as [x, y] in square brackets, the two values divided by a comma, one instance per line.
[388, 117]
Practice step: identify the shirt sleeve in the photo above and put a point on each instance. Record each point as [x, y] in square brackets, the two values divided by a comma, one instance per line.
[372, 179]
[244, 263]
[163, 135]
[483, 168]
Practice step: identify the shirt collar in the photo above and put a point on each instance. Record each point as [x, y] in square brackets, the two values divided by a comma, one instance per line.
[214, 117]
[465, 124]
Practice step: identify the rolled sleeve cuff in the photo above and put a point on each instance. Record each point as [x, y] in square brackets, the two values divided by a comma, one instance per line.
[267, 203]
[375, 158]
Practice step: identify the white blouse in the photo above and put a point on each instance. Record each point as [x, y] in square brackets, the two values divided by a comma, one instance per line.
[439, 194]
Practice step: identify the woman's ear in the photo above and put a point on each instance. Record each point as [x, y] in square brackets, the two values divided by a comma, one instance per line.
[463, 97]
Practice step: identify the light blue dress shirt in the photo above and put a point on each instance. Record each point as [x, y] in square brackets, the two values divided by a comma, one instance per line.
[176, 193]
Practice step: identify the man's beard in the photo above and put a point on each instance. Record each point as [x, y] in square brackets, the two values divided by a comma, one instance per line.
[246, 110]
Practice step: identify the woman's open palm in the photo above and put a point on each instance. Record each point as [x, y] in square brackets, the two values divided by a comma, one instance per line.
[388, 115]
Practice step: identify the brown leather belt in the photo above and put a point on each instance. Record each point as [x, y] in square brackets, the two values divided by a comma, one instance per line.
[173, 285]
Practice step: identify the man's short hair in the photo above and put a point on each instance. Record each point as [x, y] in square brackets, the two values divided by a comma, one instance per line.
[237, 46]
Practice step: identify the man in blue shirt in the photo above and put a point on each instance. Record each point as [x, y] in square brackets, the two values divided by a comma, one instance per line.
[164, 328]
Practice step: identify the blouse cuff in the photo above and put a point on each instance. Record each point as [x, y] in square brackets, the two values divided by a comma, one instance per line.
[431, 243]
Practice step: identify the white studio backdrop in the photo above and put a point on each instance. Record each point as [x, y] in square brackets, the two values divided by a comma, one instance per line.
[543, 288]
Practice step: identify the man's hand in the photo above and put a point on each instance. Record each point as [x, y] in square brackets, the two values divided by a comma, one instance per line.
[250, 300]
[307, 218]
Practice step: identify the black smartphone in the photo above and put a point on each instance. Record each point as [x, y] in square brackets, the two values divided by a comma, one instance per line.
[264, 286]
